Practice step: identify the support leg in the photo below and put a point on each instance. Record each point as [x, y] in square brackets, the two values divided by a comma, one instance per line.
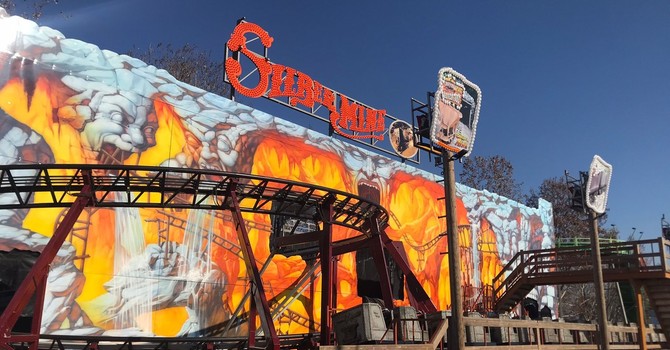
[333, 286]
[377, 248]
[253, 312]
[259, 299]
[37, 309]
[414, 287]
[39, 271]
[327, 280]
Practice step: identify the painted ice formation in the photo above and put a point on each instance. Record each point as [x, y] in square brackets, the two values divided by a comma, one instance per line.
[170, 272]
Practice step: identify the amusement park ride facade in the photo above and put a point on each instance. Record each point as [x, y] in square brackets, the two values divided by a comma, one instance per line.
[197, 215]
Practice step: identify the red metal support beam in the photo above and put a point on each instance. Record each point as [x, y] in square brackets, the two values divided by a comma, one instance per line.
[377, 249]
[253, 313]
[37, 310]
[327, 271]
[350, 245]
[259, 298]
[414, 287]
[35, 280]
[333, 300]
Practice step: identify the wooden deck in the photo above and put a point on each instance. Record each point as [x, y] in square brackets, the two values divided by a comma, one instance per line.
[644, 264]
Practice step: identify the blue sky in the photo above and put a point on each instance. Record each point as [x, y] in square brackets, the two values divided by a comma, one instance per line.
[562, 80]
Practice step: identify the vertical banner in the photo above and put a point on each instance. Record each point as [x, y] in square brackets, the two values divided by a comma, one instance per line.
[455, 113]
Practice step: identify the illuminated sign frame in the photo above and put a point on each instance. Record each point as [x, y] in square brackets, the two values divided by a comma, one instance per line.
[347, 117]
[598, 185]
[455, 112]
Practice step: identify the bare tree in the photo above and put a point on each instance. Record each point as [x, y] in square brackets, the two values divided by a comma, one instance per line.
[495, 174]
[186, 63]
[37, 7]
[568, 223]
[577, 301]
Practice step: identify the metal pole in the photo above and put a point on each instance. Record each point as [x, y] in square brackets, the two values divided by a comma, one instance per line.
[456, 339]
[598, 282]
[259, 300]
[327, 281]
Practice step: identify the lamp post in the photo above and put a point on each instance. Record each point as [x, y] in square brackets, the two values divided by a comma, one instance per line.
[452, 132]
[598, 282]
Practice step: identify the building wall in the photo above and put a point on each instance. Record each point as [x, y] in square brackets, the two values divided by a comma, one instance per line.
[175, 272]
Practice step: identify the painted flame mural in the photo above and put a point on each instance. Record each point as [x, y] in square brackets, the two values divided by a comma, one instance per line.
[179, 272]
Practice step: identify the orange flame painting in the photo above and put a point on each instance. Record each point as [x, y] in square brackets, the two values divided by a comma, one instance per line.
[170, 272]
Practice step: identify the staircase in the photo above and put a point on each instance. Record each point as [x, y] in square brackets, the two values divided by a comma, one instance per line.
[514, 296]
[642, 262]
[658, 292]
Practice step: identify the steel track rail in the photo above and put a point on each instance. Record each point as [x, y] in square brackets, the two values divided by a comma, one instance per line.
[55, 185]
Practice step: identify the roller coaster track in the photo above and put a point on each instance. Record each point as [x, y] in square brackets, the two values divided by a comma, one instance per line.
[79, 233]
[281, 307]
[159, 187]
[175, 221]
[289, 317]
[78, 187]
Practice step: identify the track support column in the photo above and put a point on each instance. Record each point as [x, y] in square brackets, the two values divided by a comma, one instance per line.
[258, 291]
[377, 249]
[35, 280]
[414, 287]
[328, 283]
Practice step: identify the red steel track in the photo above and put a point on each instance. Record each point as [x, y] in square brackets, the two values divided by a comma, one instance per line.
[79, 186]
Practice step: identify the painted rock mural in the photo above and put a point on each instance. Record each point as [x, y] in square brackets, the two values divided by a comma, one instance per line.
[168, 272]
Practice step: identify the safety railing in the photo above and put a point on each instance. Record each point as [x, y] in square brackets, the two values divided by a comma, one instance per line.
[484, 333]
[619, 258]
[530, 334]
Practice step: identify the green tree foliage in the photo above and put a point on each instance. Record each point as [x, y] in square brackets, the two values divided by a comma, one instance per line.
[494, 174]
[186, 63]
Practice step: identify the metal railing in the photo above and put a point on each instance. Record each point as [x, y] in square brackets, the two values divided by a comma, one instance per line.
[620, 261]
[582, 241]
[484, 333]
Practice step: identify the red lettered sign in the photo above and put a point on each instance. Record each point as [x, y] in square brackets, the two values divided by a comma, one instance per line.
[347, 117]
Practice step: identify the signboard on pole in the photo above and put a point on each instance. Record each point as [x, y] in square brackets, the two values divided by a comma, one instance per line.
[455, 113]
[598, 185]
[348, 117]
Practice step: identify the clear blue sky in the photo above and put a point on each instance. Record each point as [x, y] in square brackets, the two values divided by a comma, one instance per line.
[562, 80]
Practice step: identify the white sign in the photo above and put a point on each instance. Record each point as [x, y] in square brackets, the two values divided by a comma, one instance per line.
[456, 111]
[598, 185]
